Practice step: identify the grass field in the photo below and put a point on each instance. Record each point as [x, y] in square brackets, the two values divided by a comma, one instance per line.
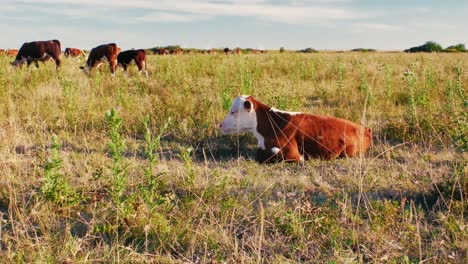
[132, 170]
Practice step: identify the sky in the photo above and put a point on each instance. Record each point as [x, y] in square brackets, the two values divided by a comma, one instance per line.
[260, 24]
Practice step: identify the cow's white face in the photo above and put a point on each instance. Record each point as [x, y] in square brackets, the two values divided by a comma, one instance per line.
[19, 63]
[241, 117]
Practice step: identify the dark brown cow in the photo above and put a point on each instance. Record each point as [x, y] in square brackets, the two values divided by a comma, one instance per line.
[227, 51]
[11, 52]
[101, 54]
[73, 52]
[33, 52]
[293, 136]
[126, 57]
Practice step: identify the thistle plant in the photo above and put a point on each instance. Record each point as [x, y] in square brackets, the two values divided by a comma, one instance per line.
[56, 187]
[116, 153]
[149, 190]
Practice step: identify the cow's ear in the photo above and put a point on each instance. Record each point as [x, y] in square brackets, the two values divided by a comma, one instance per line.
[248, 106]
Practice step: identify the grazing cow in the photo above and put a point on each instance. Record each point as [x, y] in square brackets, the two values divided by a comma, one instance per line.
[161, 51]
[236, 51]
[188, 52]
[2, 51]
[73, 52]
[11, 52]
[176, 52]
[227, 51]
[293, 136]
[101, 54]
[33, 52]
[139, 56]
[212, 51]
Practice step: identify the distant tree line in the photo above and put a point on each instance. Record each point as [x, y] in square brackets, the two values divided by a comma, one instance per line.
[432, 46]
[429, 46]
[307, 50]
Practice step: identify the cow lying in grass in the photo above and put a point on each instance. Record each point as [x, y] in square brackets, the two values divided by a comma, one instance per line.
[293, 136]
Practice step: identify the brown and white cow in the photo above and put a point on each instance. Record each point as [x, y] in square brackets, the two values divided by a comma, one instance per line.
[126, 57]
[237, 51]
[212, 51]
[11, 52]
[33, 52]
[102, 54]
[162, 51]
[293, 136]
[73, 52]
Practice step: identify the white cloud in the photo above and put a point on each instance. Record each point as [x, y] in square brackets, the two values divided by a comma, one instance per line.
[303, 12]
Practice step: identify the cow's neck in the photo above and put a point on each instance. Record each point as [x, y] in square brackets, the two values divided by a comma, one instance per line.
[269, 122]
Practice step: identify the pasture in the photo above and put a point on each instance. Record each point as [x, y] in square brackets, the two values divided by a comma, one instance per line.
[102, 169]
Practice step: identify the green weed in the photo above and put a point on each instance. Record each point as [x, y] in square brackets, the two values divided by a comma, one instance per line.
[56, 187]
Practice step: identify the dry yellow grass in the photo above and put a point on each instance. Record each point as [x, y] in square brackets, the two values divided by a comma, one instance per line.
[206, 200]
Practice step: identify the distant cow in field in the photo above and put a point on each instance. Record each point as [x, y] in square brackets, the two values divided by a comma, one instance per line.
[293, 136]
[176, 52]
[102, 54]
[11, 52]
[2, 51]
[212, 51]
[138, 56]
[33, 52]
[236, 51]
[227, 51]
[73, 52]
[161, 51]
